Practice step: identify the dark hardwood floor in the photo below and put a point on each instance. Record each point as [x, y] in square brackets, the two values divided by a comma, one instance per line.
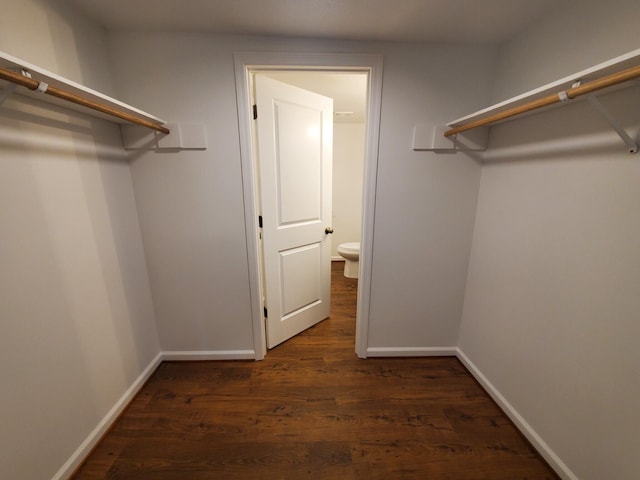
[313, 410]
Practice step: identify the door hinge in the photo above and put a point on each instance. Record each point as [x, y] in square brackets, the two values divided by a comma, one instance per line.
[265, 312]
[255, 112]
[260, 221]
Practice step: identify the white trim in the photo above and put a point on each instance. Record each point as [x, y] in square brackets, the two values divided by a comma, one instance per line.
[95, 436]
[527, 430]
[209, 355]
[521, 424]
[412, 351]
[244, 63]
[243, 91]
[103, 426]
[372, 137]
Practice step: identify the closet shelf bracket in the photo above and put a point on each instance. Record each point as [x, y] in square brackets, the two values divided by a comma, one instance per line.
[11, 87]
[6, 93]
[617, 73]
[598, 107]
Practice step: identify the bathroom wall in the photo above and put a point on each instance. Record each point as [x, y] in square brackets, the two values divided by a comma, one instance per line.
[76, 316]
[348, 176]
[553, 295]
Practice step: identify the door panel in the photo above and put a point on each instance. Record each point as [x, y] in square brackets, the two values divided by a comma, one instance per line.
[294, 133]
[301, 273]
[299, 181]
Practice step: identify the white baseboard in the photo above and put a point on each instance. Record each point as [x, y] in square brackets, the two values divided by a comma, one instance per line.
[209, 355]
[94, 437]
[411, 351]
[538, 443]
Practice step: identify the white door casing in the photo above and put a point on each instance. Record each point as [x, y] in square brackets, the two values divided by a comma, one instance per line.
[294, 133]
[245, 65]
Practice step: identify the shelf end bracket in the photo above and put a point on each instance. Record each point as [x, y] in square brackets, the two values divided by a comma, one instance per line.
[6, 93]
[11, 87]
[598, 107]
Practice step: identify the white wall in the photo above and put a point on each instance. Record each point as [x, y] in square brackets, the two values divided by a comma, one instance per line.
[552, 291]
[348, 175]
[191, 207]
[576, 35]
[425, 202]
[190, 203]
[77, 325]
[551, 309]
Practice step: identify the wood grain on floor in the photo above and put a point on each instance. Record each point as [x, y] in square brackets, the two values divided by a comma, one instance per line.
[313, 410]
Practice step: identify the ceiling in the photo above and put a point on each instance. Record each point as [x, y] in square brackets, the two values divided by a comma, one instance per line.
[457, 21]
[489, 22]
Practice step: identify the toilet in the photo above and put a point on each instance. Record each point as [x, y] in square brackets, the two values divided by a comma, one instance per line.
[351, 253]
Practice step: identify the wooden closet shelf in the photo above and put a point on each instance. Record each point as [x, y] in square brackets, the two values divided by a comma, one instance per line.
[618, 71]
[63, 92]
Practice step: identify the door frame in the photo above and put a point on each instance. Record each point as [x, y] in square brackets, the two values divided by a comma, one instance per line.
[247, 63]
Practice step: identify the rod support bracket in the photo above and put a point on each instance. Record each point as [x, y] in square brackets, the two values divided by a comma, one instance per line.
[11, 87]
[6, 93]
[595, 103]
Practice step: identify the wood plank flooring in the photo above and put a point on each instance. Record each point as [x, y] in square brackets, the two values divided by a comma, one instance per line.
[313, 410]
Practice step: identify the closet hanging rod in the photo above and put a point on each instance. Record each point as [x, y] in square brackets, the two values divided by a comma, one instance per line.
[35, 85]
[569, 94]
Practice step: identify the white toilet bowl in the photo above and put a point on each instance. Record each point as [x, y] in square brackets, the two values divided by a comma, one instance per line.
[351, 253]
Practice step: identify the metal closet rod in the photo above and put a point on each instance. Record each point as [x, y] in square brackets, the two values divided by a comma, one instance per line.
[32, 84]
[571, 93]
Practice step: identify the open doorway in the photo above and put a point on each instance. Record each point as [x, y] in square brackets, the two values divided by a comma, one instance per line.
[364, 68]
[294, 296]
[349, 93]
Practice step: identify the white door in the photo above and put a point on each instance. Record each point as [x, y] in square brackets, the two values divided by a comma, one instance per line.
[294, 133]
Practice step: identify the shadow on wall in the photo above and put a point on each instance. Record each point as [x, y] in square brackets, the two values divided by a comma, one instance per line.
[583, 131]
[75, 298]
